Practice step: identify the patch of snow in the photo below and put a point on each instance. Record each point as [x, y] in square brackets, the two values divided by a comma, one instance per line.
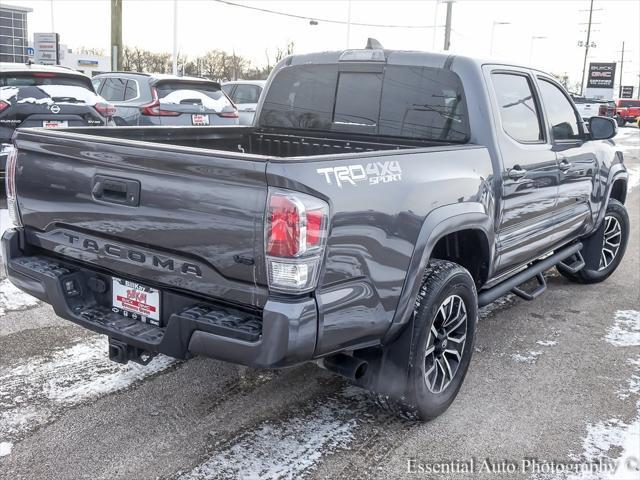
[529, 357]
[5, 448]
[285, 449]
[625, 331]
[633, 383]
[185, 95]
[614, 444]
[33, 393]
[547, 343]
[12, 298]
[5, 222]
[634, 178]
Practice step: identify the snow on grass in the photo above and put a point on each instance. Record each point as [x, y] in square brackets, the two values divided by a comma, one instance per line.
[286, 449]
[35, 392]
[5, 448]
[529, 357]
[547, 343]
[625, 331]
[12, 298]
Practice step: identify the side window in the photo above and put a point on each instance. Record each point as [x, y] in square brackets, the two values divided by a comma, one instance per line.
[518, 109]
[246, 94]
[97, 83]
[228, 88]
[357, 99]
[131, 90]
[562, 116]
[113, 89]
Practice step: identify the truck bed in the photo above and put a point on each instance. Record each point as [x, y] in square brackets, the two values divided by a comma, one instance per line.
[256, 142]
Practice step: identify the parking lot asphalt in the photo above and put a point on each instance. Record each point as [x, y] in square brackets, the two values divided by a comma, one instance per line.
[556, 381]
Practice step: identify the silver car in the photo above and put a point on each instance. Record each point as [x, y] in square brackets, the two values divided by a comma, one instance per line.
[157, 99]
[245, 94]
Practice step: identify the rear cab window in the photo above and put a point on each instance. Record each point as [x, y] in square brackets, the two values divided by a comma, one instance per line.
[397, 101]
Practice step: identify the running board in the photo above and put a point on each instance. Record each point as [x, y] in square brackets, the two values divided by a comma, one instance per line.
[511, 284]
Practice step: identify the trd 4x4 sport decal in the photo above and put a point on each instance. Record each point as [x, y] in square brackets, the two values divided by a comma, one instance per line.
[372, 173]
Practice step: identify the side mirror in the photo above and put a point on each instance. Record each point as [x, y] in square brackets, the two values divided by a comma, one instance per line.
[602, 128]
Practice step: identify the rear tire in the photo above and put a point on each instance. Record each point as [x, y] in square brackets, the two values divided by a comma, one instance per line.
[444, 327]
[615, 234]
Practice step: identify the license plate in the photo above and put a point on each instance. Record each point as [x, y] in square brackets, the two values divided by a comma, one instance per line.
[199, 119]
[136, 301]
[55, 123]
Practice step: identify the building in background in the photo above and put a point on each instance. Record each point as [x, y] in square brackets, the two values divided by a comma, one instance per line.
[13, 33]
[87, 63]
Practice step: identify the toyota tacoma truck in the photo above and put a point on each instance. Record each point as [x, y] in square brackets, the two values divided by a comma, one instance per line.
[378, 200]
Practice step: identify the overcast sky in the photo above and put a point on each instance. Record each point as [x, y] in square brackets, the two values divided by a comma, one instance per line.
[207, 24]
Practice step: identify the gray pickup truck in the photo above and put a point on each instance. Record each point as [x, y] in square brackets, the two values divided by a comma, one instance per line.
[379, 199]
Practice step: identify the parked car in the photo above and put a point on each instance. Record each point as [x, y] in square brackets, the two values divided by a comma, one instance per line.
[158, 99]
[627, 111]
[46, 96]
[378, 200]
[591, 107]
[245, 94]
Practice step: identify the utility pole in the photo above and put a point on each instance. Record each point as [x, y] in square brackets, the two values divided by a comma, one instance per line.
[116, 35]
[586, 48]
[175, 37]
[621, 66]
[447, 26]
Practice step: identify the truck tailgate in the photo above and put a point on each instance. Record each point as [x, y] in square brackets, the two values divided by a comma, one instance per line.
[168, 216]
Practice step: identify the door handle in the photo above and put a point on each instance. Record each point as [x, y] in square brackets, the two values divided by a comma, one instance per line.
[116, 190]
[565, 165]
[516, 172]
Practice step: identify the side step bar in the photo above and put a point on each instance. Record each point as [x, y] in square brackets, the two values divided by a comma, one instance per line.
[487, 296]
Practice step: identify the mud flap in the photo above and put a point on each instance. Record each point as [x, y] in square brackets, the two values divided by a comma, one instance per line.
[388, 365]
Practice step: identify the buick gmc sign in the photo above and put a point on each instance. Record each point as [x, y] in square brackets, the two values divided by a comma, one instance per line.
[601, 75]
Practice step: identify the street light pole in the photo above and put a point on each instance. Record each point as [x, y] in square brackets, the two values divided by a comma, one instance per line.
[447, 26]
[175, 37]
[348, 22]
[493, 29]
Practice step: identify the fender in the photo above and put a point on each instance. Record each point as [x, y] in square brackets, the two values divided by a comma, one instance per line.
[440, 222]
[617, 172]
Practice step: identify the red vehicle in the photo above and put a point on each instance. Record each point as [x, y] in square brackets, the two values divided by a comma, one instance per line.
[627, 110]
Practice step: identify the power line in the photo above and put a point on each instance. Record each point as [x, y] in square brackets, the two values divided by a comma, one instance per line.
[326, 20]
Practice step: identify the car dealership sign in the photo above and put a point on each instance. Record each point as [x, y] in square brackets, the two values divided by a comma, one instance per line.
[626, 91]
[600, 80]
[46, 46]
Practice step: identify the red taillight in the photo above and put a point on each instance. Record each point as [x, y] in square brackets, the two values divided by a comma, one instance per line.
[105, 109]
[284, 233]
[315, 220]
[10, 170]
[4, 105]
[296, 234]
[43, 75]
[12, 203]
[153, 109]
[232, 114]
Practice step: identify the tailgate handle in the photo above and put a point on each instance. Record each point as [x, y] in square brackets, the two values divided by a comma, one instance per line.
[121, 191]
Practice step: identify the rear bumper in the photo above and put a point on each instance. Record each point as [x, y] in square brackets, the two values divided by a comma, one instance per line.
[282, 334]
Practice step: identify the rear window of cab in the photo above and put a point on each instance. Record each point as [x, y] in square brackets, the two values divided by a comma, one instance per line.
[399, 101]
